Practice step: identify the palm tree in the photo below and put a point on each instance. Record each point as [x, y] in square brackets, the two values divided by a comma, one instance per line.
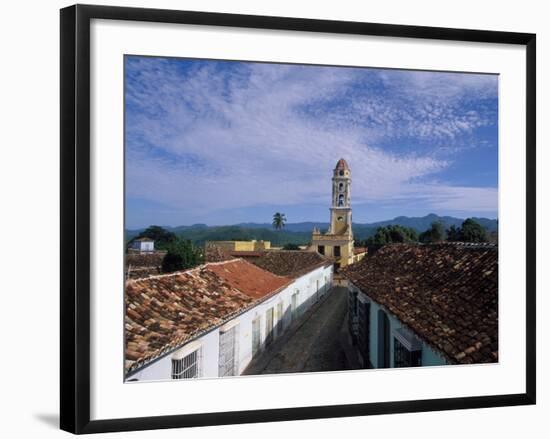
[279, 220]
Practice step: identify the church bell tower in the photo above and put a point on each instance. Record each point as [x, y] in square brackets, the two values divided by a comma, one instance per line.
[340, 211]
[337, 243]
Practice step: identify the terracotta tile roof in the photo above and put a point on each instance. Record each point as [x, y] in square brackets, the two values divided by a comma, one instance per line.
[248, 278]
[293, 263]
[139, 265]
[359, 250]
[215, 253]
[153, 259]
[247, 253]
[447, 294]
[164, 312]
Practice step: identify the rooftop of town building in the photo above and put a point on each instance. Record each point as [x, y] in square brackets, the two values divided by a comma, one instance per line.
[166, 311]
[447, 294]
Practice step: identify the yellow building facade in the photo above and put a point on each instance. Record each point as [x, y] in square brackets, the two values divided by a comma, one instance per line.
[242, 246]
[337, 243]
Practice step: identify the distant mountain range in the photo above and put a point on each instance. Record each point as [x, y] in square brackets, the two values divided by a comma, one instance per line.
[418, 223]
[300, 233]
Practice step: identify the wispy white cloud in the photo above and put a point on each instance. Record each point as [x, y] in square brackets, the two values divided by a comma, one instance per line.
[443, 197]
[425, 105]
[209, 137]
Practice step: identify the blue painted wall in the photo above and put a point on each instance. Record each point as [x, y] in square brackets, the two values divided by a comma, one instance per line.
[429, 356]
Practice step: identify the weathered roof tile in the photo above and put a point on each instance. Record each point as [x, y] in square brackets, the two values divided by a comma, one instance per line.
[164, 312]
[452, 295]
[292, 263]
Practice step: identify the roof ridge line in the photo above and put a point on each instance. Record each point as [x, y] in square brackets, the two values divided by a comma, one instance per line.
[187, 271]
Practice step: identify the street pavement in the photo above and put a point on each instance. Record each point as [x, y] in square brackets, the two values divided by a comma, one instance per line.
[316, 342]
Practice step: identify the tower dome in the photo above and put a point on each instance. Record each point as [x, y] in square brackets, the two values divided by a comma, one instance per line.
[341, 165]
[342, 169]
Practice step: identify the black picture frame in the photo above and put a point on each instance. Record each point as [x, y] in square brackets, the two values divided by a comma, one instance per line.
[75, 217]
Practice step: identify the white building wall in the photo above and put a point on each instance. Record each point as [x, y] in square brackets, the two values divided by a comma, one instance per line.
[144, 246]
[162, 368]
[308, 294]
[147, 246]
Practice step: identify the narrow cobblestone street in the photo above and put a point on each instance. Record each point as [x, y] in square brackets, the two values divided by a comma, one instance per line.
[315, 343]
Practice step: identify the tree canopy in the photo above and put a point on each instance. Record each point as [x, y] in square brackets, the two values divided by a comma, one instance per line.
[454, 233]
[392, 234]
[435, 233]
[291, 246]
[162, 237]
[181, 254]
[472, 231]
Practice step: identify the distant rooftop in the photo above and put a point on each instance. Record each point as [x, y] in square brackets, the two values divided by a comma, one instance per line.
[292, 263]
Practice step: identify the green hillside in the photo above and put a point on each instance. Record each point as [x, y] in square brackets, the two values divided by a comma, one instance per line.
[237, 233]
[300, 233]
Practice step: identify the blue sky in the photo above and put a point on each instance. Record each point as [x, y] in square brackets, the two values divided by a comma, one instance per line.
[223, 142]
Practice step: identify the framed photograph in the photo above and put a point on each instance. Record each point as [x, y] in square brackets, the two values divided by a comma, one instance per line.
[268, 219]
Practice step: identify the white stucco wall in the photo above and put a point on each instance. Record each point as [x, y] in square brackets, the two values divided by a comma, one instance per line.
[144, 246]
[311, 287]
[148, 246]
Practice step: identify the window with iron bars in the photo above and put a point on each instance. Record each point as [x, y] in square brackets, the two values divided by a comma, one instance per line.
[186, 367]
[228, 361]
[256, 335]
